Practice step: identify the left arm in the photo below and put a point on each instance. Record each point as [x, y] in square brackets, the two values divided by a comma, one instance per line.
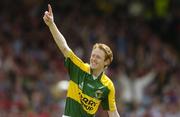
[113, 113]
[109, 102]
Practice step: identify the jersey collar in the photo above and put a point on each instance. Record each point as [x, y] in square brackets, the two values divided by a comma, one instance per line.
[100, 75]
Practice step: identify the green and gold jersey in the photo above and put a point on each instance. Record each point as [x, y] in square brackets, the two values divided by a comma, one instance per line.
[85, 94]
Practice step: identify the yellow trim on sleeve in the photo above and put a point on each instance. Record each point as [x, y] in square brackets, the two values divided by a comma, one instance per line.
[111, 96]
[77, 61]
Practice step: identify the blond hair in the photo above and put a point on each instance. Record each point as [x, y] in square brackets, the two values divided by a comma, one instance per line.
[107, 51]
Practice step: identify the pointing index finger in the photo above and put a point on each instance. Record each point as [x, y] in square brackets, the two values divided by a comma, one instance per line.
[50, 9]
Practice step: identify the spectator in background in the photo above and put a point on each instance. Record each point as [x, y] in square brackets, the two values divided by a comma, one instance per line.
[30, 62]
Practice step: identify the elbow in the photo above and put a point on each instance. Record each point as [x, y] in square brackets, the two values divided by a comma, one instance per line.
[65, 51]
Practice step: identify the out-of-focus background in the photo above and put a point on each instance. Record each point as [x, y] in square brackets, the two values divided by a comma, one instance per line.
[143, 34]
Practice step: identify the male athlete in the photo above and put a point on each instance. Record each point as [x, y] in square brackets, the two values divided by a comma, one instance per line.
[88, 86]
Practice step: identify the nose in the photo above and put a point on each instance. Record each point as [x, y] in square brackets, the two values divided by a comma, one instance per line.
[93, 58]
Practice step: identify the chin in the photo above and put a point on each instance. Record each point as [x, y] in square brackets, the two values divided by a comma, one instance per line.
[92, 67]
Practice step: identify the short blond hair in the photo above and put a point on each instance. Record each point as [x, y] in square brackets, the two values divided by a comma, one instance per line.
[107, 50]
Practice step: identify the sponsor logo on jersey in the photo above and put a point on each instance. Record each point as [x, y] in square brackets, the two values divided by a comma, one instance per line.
[87, 103]
[91, 86]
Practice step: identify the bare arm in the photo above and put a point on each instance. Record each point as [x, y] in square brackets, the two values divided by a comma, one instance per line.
[113, 113]
[58, 37]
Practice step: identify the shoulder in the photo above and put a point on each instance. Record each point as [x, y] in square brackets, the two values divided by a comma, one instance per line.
[106, 81]
[78, 62]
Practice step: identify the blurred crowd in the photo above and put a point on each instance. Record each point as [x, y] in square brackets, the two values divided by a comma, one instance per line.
[143, 34]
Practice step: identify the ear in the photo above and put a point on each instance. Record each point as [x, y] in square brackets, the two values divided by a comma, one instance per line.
[106, 63]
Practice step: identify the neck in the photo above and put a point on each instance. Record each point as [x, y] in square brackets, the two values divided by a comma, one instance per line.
[96, 73]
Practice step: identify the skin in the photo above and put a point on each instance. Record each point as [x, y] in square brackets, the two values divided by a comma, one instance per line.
[97, 61]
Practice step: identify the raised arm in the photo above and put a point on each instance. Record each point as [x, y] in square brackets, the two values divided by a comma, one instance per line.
[58, 37]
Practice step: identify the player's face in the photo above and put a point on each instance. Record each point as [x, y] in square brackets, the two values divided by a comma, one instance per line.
[97, 60]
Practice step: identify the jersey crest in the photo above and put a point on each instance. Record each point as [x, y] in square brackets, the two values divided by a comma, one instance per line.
[98, 94]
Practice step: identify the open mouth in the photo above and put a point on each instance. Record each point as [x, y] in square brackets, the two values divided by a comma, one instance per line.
[94, 64]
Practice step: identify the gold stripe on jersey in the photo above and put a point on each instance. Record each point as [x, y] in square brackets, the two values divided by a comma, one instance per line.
[89, 104]
[79, 62]
[111, 97]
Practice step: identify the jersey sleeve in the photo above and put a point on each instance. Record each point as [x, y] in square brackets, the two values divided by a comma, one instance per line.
[108, 103]
[75, 66]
